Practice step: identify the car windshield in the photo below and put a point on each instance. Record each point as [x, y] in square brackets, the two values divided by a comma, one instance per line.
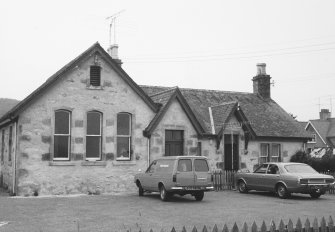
[299, 168]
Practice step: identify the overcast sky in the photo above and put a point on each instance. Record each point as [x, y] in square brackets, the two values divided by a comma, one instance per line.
[191, 44]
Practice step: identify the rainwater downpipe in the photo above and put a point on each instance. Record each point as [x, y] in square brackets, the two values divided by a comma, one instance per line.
[148, 152]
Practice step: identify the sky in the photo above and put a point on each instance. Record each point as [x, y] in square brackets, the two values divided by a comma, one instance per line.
[212, 44]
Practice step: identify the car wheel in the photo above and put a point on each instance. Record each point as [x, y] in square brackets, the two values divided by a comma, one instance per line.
[282, 191]
[164, 195]
[140, 190]
[242, 187]
[315, 195]
[199, 196]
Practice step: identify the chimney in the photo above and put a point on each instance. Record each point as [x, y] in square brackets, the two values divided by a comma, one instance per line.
[325, 114]
[261, 82]
[113, 51]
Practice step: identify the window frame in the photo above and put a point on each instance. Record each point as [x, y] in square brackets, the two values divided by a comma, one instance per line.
[69, 136]
[261, 156]
[10, 143]
[2, 145]
[173, 142]
[313, 138]
[100, 136]
[278, 156]
[129, 136]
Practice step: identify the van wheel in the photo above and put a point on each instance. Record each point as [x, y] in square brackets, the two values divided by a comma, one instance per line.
[199, 196]
[282, 192]
[164, 195]
[140, 190]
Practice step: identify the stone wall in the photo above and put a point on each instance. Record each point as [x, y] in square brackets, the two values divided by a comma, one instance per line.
[39, 174]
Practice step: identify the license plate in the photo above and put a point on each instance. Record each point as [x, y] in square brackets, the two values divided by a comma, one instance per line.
[194, 188]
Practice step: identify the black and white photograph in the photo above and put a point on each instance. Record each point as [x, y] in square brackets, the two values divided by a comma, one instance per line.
[167, 116]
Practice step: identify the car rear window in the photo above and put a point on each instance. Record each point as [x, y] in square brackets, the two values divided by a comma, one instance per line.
[164, 166]
[201, 165]
[299, 168]
[184, 165]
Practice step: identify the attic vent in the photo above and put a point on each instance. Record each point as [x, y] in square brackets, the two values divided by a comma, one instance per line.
[95, 75]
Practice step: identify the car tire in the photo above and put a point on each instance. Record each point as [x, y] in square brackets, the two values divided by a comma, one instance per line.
[199, 196]
[164, 195]
[140, 190]
[315, 195]
[282, 192]
[242, 187]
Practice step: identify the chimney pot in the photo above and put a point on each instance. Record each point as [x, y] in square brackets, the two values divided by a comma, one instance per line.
[113, 51]
[261, 69]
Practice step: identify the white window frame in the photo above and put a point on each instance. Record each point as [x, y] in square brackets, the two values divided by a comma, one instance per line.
[2, 158]
[100, 135]
[313, 139]
[268, 153]
[277, 155]
[69, 137]
[124, 136]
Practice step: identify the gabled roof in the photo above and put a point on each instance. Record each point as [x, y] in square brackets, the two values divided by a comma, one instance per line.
[266, 118]
[165, 98]
[221, 114]
[324, 128]
[95, 48]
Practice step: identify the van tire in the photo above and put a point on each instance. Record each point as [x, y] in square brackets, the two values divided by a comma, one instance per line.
[140, 190]
[164, 195]
[199, 196]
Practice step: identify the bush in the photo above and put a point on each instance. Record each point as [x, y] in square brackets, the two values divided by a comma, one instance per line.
[324, 164]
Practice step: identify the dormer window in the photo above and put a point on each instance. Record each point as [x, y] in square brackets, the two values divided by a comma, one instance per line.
[95, 75]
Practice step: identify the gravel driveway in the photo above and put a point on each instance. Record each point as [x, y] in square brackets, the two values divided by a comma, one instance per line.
[132, 213]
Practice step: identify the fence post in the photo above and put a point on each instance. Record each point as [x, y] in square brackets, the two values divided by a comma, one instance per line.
[225, 228]
[290, 226]
[245, 227]
[281, 227]
[263, 227]
[298, 226]
[254, 227]
[315, 225]
[331, 224]
[235, 228]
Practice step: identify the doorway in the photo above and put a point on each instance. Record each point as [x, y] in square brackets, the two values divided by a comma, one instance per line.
[231, 152]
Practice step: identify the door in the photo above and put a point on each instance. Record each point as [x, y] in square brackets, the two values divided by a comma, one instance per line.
[185, 174]
[202, 173]
[231, 152]
[256, 179]
[271, 177]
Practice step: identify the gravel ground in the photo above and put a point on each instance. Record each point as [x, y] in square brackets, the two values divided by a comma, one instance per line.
[132, 213]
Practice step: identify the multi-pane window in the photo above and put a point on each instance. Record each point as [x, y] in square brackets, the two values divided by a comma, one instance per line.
[265, 150]
[174, 142]
[2, 145]
[270, 152]
[10, 143]
[62, 135]
[95, 75]
[275, 152]
[93, 136]
[123, 136]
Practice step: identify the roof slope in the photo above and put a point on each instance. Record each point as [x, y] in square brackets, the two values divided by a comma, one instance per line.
[59, 74]
[221, 114]
[266, 117]
[6, 104]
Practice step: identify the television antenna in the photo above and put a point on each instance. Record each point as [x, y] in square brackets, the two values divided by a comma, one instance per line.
[112, 19]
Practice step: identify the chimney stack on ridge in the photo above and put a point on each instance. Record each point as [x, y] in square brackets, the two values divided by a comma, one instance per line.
[261, 82]
[113, 51]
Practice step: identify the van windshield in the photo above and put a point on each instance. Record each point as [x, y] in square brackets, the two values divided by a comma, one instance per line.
[201, 165]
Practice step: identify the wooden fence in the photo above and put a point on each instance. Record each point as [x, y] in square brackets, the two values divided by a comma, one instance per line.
[225, 180]
[323, 226]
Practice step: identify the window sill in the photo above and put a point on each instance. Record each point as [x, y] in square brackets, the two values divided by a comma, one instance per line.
[124, 163]
[93, 163]
[91, 87]
[61, 163]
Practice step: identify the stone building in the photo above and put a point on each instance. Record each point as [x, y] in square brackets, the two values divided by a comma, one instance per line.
[89, 128]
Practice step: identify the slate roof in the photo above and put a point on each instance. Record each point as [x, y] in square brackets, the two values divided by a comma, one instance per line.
[266, 117]
[221, 114]
[325, 128]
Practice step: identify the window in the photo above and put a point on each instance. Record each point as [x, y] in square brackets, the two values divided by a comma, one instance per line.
[199, 149]
[313, 139]
[261, 169]
[2, 145]
[275, 153]
[264, 153]
[95, 75]
[174, 142]
[93, 136]
[270, 153]
[123, 136]
[185, 165]
[62, 135]
[201, 165]
[10, 143]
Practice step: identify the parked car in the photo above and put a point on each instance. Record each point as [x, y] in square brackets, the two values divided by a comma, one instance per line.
[284, 179]
[176, 175]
